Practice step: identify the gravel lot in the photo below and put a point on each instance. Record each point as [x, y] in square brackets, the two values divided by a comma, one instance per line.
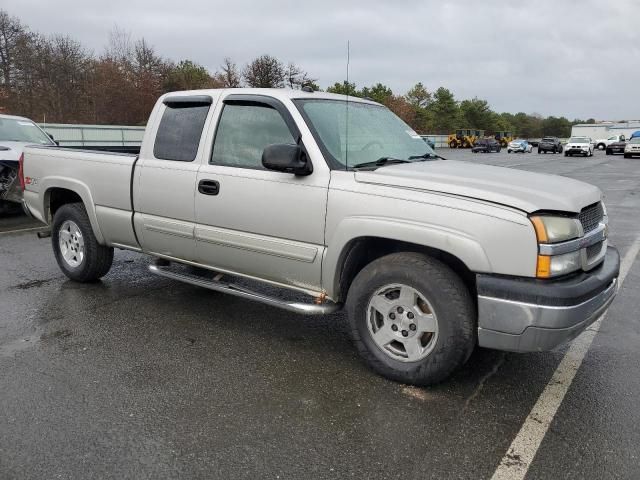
[141, 377]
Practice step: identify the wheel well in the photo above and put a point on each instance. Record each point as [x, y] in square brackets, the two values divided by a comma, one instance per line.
[364, 250]
[59, 197]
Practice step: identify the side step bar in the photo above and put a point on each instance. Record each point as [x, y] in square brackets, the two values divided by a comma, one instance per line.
[238, 291]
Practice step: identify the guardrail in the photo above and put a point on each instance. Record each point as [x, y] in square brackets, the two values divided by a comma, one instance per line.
[95, 135]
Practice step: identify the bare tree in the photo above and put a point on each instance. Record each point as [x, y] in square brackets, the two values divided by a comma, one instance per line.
[11, 34]
[229, 75]
[296, 78]
[264, 72]
[119, 47]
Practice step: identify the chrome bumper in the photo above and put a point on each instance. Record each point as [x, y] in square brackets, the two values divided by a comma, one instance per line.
[519, 325]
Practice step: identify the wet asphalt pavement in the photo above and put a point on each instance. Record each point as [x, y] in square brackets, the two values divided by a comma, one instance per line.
[142, 377]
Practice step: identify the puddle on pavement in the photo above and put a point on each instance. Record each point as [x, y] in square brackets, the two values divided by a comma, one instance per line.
[18, 345]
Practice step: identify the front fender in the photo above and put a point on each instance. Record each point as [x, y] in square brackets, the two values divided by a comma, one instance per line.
[455, 242]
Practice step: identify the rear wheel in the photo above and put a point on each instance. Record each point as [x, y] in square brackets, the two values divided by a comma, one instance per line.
[453, 144]
[412, 318]
[627, 155]
[601, 146]
[78, 253]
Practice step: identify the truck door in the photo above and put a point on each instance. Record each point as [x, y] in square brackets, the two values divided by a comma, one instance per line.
[253, 221]
[166, 177]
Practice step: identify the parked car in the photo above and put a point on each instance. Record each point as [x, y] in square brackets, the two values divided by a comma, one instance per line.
[430, 257]
[486, 145]
[15, 134]
[603, 143]
[632, 148]
[579, 146]
[550, 144]
[519, 146]
[616, 147]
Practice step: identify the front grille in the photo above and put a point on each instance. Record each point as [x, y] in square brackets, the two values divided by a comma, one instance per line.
[591, 216]
[593, 251]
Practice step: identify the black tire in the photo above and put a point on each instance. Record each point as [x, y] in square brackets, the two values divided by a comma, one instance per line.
[601, 146]
[626, 155]
[608, 152]
[539, 151]
[452, 305]
[453, 144]
[566, 154]
[97, 258]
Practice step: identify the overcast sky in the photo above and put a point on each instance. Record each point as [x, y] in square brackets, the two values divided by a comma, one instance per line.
[563, 57]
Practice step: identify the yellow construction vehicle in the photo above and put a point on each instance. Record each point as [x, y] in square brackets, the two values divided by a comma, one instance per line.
[464, 138]
[504, 138]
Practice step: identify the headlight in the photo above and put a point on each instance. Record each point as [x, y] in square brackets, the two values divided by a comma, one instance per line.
[551, 229]
[555, 229]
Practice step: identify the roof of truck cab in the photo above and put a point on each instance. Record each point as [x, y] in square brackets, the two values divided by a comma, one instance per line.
[279, 93]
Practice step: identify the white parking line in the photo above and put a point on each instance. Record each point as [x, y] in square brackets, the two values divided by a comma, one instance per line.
[516, 462]
[32, 229]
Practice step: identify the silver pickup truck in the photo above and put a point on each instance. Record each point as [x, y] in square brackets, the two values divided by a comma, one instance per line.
[339, 199]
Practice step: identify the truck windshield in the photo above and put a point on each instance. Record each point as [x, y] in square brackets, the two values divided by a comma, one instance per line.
[372, 132]
[20, 130]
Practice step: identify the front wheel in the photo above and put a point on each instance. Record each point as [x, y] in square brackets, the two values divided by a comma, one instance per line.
[78, 253]
[412, 318]
[601, 146]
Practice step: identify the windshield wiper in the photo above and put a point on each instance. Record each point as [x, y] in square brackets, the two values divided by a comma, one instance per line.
[426, 156]
[380, 162]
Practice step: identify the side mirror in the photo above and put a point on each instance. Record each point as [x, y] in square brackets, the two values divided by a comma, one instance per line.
[287, 158]
[53, 139]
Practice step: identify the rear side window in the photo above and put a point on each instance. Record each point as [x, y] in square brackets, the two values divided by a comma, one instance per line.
[179, 132]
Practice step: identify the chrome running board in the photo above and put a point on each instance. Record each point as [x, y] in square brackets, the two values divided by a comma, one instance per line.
[239, 291]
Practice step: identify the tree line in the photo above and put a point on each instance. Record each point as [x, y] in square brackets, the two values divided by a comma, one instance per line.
[57, 80]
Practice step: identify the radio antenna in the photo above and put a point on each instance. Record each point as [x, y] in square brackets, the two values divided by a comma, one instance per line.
[346, 128]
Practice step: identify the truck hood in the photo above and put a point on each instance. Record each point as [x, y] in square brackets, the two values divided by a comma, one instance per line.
[519, 189]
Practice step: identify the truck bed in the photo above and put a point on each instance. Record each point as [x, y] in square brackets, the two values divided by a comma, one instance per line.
[102, 179]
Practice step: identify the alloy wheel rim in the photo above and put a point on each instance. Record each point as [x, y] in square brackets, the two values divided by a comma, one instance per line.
[71, 243]
[402, 323]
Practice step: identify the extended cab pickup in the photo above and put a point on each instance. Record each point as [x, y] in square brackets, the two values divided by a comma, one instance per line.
[430, 257]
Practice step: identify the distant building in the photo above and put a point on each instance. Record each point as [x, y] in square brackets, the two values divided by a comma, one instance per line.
[602, 130]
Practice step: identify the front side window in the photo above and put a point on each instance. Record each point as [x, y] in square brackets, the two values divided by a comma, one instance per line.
[355, 132]
[244, 130]
[179, 132]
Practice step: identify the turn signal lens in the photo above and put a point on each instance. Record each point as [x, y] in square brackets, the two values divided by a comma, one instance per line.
[541, 232]
[544, 267]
